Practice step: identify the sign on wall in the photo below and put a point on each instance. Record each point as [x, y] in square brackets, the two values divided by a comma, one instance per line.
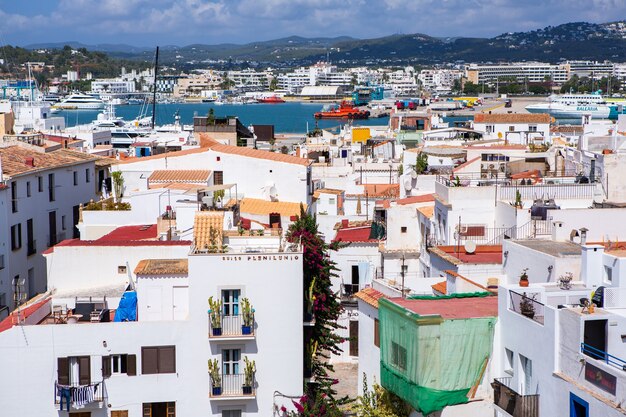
[600, 378]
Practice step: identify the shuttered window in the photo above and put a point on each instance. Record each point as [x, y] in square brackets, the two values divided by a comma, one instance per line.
[354, 338]
[119, 413]
[63, 371]
[158, 360]
[131, 365]
[84, 370]
[106, 368]
[218, 177]
[376, 333]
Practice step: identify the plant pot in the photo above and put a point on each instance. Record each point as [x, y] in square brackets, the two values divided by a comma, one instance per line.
[246, 330]
[523, 282]
[217, 391]
[247, 390]
[217, 331]
[528, 313]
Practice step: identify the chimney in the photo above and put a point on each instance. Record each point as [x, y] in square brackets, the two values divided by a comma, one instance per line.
[30, 161]
[345, 223]
[591, 265]
[583, 236]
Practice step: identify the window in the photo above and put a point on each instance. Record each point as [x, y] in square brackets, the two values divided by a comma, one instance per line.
[532, 128]
[608, 274]
[74, 370]
[27, 188]
[403, 229]
[490, 129]
[218, 177]
[354, 338]
[577, 406]
[158, 360]
[75, 175]
[230, 361]
[331, 201]
[231, 413]
[63, 222]
[398, 356]
[119, 413]
[119, 364]
[51, 186]
[2, 261]
[527, 370]
[40, 184]
[16, 236]
[511, 128]
[376, 333]
[230, 302]
[87, 175]
[14, 197]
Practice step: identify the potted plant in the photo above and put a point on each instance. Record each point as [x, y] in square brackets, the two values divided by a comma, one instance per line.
[527, 307]
[215, 314]
[247, 313]
[523, 279]
[565, 281]
[248, 373]
[216, 379]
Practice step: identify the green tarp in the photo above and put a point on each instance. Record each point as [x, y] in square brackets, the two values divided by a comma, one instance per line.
[431, 362]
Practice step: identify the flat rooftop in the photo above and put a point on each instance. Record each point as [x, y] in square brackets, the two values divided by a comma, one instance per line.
[451, 308]
[552, 248]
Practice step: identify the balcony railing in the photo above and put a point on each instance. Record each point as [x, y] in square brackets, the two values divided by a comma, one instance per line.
[513, 403]
[601, 355]
[232, 326]
[233, 385]
[75, 396]
[348, 290]
[527, 306]
[31, 247]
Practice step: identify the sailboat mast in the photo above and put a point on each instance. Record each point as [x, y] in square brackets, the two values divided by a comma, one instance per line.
[156, 70]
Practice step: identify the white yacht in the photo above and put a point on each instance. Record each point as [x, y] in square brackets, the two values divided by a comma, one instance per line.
[79, 101]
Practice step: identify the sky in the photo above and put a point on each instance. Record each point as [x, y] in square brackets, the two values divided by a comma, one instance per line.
[184, 22]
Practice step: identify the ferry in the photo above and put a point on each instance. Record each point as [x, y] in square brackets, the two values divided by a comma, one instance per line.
[79, 101]
[270, 100]
[574, 106]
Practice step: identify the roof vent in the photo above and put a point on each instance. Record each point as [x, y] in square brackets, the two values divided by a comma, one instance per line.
[30, 161]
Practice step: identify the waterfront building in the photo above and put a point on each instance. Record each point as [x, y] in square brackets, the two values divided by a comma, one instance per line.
[536, 72]
[114, 86]
[592, 69]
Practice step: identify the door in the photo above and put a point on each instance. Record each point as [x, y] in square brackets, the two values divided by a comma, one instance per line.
[231, 323]
[527, 372]
[180, 303]
[577, 406]
[354, 338]
[154, 304]
[595, 338]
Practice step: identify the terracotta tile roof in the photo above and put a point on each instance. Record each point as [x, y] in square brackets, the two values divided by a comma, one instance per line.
[512, 118]
[126, 233]
[440, 287]
[23, 314]
[382, 190]
[317, 193]
[370, 296]
[162, 267]
[164, 155]
[256, 153]
[451, 308]
[264, 207]
[465, 164]
[194, 176]
[355, 235]
[14, 160]
[203, 222]
[427, 211]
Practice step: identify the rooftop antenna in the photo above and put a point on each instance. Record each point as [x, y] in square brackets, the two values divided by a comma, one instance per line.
[156, 69]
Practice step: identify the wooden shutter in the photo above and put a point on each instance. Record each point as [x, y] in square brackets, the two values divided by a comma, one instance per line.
[147, 408]
[149, 360]
[167, 359]
[131, 365]
[106, 366]
[376, 333]
[119, 413]
[63, 371]
[171, 410]
[354, 338]
[84, 370]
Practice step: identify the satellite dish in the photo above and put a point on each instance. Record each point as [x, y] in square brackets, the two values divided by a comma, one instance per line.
[413, 174]
[407, 185]
[470, 246]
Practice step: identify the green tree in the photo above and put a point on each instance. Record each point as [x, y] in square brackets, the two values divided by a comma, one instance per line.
[379, 403]
[421, 163]
[273, 84]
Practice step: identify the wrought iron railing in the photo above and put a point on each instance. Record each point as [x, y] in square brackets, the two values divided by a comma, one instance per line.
[601, 355]
[527, 306]
[232, 326]
[78, 395]
[513, 403]
[348, 290]
[233, 385]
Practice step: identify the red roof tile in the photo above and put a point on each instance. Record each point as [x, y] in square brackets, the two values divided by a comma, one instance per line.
[355, 235]
[370, 296]
[441, 287]
[484, 254]
[452, 308]
[131, 233]
[12, 319]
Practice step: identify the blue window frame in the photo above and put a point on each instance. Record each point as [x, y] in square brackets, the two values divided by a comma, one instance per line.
[577, 406]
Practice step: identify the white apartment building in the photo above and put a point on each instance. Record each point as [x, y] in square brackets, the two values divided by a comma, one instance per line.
[154, 362]
[296, 80]
[438, 80]
[39, 205]
[113, 85]
[593, 69]
[523, 71]
[250, 79]
[514, 128]
[619, 71]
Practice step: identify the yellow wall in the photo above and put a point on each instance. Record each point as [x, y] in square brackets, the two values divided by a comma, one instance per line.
[360, 134]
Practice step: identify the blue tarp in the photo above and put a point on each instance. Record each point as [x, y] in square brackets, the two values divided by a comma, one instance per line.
[127, 309]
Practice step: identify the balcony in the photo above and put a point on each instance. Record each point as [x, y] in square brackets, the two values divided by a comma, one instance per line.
[232, 328]
[512, 403]
[75, 396]
[348, 291]
[603, 356]
[526, 306]
[31, 247]
[232, 387]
